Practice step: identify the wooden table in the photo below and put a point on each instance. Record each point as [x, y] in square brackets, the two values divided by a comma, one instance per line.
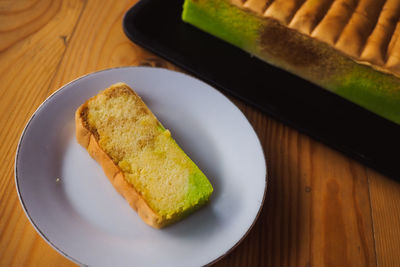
[322, 208]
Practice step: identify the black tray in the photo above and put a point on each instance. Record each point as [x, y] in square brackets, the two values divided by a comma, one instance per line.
[157, 26]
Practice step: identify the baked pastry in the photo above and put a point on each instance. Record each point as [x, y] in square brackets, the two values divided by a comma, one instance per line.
[139, 156]
[350, 47]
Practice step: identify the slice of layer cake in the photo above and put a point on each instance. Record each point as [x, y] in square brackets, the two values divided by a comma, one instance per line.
[350, 47]
[139, 156]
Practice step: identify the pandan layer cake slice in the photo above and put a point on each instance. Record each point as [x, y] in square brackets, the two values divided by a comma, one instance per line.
[139, 156]
[350, 47]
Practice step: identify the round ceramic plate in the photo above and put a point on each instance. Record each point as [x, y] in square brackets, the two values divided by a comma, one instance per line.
[76, 210]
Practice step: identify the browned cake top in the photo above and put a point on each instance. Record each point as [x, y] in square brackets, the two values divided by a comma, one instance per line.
[366, 30]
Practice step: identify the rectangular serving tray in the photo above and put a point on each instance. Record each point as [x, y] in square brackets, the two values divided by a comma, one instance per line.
[157, 26]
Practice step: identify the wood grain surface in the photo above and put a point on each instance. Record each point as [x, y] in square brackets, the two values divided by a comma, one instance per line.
[321, 209]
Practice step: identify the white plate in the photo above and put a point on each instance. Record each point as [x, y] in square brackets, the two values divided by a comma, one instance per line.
[76, 210]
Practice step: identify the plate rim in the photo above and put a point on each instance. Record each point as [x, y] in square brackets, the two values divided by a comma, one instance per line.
[64, 87]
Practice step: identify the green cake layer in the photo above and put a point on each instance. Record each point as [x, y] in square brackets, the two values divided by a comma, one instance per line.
[299, 54]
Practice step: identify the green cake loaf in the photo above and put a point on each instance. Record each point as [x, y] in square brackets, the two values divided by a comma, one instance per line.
[349, 47]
